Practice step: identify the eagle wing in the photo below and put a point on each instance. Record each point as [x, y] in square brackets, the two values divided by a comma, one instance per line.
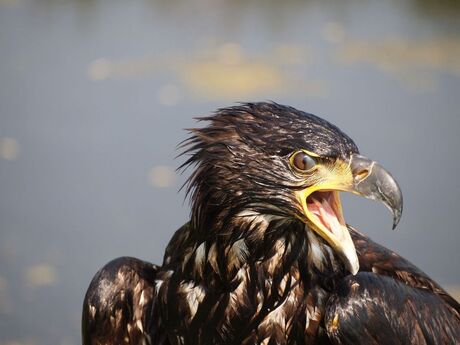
[119, 306]
[390, 301]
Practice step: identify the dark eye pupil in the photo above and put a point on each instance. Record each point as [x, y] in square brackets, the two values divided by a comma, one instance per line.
[303, 162]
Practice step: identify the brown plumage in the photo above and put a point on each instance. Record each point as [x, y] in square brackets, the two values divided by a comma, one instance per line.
[254, 267]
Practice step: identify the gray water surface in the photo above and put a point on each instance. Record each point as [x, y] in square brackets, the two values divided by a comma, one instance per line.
[94, 96]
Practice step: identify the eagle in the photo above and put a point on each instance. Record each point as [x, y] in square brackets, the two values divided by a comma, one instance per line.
[267, 257]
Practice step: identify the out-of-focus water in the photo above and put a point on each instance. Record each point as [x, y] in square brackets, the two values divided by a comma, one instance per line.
[94, 96]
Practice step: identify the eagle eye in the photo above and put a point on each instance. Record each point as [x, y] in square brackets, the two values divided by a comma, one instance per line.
[302, 162]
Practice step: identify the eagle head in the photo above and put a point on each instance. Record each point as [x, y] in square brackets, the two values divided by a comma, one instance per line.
[276, 161]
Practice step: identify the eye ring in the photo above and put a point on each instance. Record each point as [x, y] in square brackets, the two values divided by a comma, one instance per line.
[302, 162]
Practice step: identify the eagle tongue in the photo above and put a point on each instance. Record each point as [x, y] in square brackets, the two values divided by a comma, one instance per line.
[327, 215]
[325, 207]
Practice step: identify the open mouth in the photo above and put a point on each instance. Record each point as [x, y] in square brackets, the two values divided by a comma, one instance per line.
[318, 204]
[324, 209]
[324, 212]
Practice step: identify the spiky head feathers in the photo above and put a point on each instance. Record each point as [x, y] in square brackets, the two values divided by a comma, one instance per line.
[242, 159]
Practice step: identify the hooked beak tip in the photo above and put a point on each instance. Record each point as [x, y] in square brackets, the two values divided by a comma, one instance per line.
[372, 181]
[396, 217]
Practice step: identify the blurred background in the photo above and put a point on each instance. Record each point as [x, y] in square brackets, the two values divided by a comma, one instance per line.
[95, 94]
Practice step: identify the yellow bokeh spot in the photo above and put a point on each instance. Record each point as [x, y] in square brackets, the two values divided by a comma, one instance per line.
[40, 275]
[162, 176]
[99, 69]
[9, 148]
[214, 80]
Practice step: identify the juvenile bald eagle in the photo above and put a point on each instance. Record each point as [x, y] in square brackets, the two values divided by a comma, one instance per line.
[267, 257]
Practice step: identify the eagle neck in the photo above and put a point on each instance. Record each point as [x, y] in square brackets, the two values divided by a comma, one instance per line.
[272, 245]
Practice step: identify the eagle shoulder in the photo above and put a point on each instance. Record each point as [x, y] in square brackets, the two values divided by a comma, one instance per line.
[373, 309]
[389, 301]
[380, 260]
[119, 306]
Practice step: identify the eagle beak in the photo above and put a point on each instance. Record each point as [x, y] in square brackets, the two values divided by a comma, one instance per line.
[323, 210]
[372, 181]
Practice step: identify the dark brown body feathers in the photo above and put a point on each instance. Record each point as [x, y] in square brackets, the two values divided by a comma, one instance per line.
[372, 308]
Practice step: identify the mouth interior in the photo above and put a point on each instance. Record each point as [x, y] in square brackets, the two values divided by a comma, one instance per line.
[325, 211]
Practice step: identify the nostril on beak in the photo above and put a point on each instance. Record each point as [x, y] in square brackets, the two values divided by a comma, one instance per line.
[361, 168]
[361, 175]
